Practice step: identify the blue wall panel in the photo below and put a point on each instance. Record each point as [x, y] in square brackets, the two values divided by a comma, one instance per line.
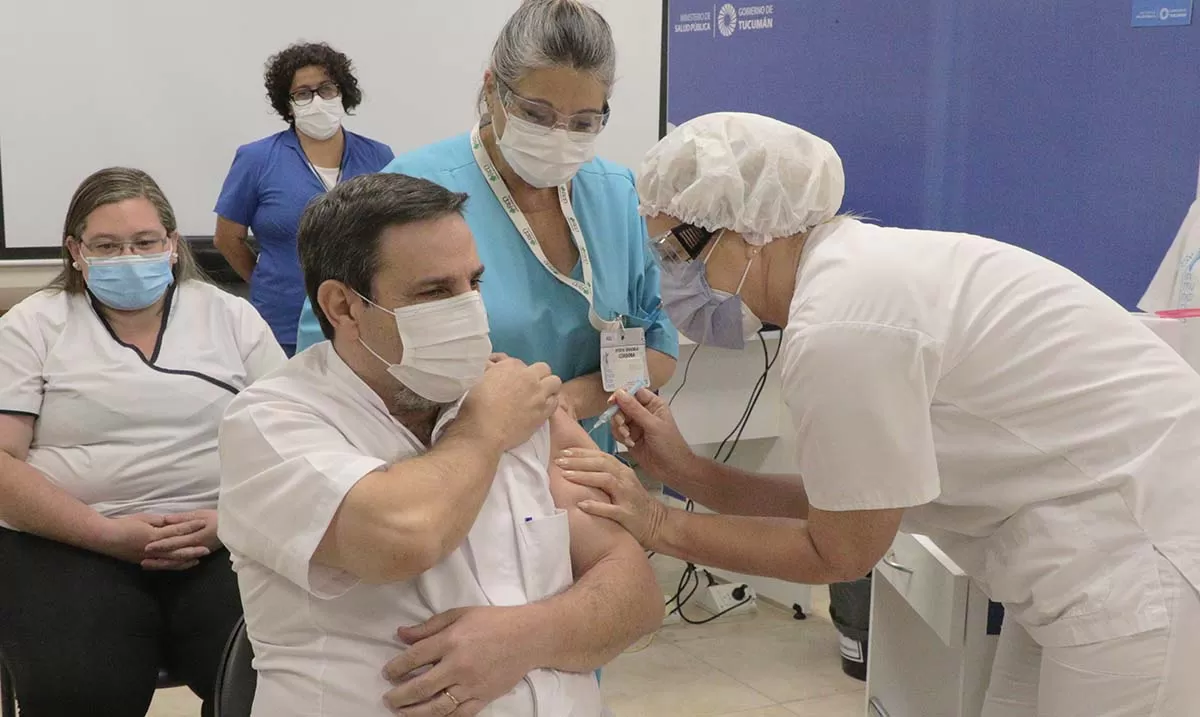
[1051, 124]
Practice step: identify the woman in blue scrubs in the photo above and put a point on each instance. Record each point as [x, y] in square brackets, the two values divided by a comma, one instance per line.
[311, 87]
[568, 261]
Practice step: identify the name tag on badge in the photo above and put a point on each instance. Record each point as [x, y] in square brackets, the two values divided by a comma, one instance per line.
[623, 358]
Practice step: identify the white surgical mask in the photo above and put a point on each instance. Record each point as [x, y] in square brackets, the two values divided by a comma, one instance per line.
[544, 158]
[321, 118]
[446, 346]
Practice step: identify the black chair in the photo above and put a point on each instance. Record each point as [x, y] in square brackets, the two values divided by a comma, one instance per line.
[8, 697]
[210, 260]
[236, 678]
[8, 701]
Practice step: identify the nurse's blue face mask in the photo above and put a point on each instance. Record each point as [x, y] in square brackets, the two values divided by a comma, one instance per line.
[130, 282]
[703, 314]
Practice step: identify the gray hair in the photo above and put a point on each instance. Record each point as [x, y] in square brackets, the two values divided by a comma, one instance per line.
[544, 34]
[340, 230]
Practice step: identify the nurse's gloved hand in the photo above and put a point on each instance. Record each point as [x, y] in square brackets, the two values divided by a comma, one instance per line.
[647, 429]
[510, 403]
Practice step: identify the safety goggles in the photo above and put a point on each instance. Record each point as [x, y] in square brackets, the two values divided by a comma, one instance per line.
[681, 244]
[547, 118]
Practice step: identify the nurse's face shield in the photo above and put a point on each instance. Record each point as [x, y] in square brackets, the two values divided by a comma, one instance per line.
[680, 245]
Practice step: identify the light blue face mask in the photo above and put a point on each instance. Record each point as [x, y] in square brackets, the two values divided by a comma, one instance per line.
[703, 314]
[130, 282]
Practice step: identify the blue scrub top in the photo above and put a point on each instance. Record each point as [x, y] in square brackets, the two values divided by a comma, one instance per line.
[267, 189]
[532, 315]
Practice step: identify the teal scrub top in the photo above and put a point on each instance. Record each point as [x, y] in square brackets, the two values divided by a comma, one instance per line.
[533, 316]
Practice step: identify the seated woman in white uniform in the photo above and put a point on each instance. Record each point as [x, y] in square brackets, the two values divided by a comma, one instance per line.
[113, 381]
[377, 517]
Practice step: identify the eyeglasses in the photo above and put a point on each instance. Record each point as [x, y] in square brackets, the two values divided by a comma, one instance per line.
[305, 95]
[548, 118]
[106, 248]
[681, 244]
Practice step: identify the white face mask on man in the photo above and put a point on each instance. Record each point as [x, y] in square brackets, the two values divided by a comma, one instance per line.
[446, 346]
[544, 157]
[321, 118]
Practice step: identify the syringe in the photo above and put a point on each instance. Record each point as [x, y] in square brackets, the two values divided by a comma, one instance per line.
[612, 410]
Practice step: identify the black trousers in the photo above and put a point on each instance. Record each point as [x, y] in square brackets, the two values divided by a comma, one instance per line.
[85, 634]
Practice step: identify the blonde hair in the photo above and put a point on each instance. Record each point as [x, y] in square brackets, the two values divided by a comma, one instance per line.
[111, 186]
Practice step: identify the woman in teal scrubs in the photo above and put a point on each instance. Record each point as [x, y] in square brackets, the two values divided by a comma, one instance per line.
[569, 261]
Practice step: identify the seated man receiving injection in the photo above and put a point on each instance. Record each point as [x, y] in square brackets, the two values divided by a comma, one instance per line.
[402, 542]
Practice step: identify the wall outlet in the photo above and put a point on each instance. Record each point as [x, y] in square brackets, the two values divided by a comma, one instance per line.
[727, 599]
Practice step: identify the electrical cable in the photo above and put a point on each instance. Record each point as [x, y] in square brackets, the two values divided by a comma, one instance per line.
[730, 443]
[739, 428]
[710, 618]
[687, 367]
[691, 574]
[641, 644]
[690, 577]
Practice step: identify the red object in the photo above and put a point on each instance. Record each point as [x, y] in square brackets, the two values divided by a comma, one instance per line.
[1178, 314]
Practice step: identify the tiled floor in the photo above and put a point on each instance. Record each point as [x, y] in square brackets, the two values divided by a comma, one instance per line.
[768, 665]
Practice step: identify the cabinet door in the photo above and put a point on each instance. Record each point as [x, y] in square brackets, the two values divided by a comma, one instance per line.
[932, 584]
[911, 672]
[930, 652]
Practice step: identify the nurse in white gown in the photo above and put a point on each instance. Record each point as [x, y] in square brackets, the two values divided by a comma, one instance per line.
[942, 383]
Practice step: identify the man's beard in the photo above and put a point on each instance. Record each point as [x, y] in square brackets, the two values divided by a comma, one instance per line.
[409, 401]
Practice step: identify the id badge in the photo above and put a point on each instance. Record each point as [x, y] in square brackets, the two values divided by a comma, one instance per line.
[623, 358]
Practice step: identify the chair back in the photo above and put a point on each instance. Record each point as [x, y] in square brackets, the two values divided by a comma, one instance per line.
[236, 678]
[8, 700]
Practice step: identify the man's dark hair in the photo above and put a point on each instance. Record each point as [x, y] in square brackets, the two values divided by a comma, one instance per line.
[283, 66]
[340, 230]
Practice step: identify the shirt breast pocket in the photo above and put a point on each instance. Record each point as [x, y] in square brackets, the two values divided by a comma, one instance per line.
[544, 548]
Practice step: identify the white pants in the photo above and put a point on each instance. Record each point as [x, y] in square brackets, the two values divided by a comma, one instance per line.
[1152, 674]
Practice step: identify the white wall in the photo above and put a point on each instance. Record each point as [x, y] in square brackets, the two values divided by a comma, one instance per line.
[175, 87]
[19, 279]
